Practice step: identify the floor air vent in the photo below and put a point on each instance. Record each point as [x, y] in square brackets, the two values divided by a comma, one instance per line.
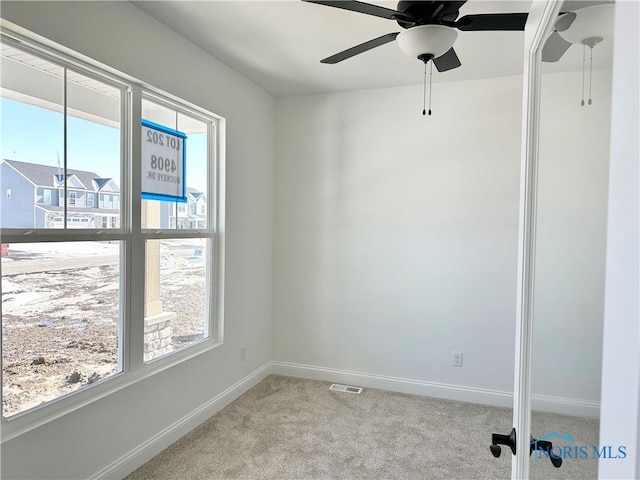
[346, 389]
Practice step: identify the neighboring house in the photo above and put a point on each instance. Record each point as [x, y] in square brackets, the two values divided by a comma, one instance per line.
[33, 197]
[192, 214]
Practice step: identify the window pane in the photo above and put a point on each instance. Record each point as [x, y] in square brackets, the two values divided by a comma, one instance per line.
[176, 294]
[191, 214]
[93, 151]
[60, 319]
[33, 156]
[32, 138]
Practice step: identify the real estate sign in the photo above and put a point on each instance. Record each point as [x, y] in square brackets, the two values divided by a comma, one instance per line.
[163, 163]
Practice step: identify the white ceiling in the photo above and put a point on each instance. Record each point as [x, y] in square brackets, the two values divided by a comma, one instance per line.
[278, 44]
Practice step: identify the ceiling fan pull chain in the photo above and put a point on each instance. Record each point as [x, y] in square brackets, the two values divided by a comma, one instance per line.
[424, 91]
[590, 73]
[583, 73]
[430, 83]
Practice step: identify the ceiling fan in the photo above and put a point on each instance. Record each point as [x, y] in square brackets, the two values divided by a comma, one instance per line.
[585, 22]
[430, 28]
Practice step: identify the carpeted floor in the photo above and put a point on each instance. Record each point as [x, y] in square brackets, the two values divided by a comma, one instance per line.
[288, 428]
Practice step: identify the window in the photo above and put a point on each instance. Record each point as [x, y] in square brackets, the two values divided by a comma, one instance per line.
[81, 291]
[107, 201]
[8, 194]
[192, 208]
[72, 342]
[178, 272]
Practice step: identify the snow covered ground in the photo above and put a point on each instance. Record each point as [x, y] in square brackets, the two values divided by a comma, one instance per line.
[63, 249]
[62, 309]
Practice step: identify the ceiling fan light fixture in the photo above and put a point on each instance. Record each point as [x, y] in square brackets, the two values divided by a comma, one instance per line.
[426, 40]
[590, 23]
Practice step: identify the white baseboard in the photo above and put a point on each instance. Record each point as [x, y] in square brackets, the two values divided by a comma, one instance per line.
[565, 406]
[395, 384]
[154, 445]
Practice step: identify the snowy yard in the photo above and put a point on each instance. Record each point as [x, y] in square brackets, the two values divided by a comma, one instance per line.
[61, 314]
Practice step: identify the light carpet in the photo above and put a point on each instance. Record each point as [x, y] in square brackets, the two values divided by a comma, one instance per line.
[289, 428]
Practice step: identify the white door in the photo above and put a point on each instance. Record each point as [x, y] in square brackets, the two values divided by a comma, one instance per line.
[540, 24]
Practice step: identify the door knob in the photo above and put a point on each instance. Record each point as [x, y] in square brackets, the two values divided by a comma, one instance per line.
[510, 441]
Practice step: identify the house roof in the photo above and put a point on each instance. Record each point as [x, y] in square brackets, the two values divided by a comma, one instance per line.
[44, 175]
[72, 181]
[195, 194]
[101, 182]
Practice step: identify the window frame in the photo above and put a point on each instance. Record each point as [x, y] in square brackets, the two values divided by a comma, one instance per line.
[209, 233]
[132, 368]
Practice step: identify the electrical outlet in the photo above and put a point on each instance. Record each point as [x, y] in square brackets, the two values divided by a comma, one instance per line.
[457, 359]
[243, 353]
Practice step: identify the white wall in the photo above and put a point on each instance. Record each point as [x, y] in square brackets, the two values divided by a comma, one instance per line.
[396, 234]
[621, 350]
[396, 238]
[571, 235]
[120, 35]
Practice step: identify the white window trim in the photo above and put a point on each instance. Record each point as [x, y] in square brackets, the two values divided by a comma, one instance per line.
[131, 337]
[209, 234]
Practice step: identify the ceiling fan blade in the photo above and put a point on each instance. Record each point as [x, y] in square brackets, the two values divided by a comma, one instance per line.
[554, 48]
[492, 21]
[363, 47]
[565, 21]
[447, 61]
[366, 8]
